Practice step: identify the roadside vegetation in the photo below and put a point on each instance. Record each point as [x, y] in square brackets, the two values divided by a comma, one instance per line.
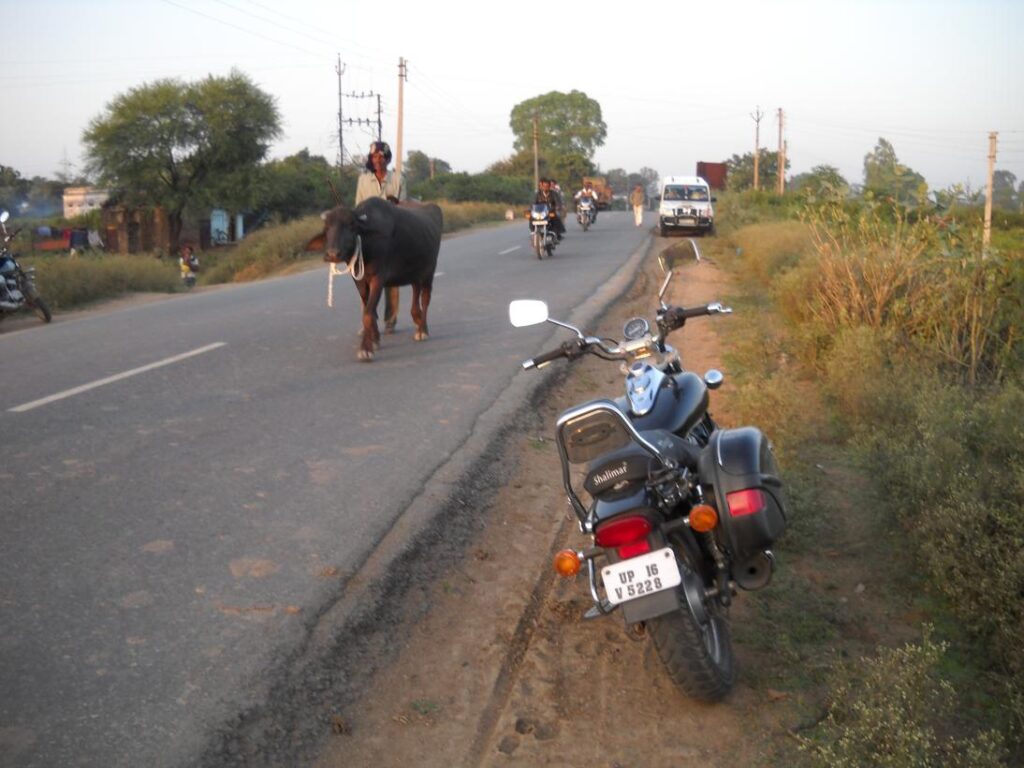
[883, 354]
[68, 282]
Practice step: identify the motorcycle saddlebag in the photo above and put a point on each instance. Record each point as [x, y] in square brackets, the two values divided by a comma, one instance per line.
[739, 469]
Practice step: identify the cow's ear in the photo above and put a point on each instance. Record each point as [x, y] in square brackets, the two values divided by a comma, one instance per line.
[323, 216]
[317, 244]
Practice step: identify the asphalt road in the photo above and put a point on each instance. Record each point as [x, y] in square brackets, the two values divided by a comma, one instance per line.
[188, 486]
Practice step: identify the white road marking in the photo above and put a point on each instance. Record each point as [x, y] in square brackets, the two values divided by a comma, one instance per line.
[696, 251]
[115, 377]
[509, 250]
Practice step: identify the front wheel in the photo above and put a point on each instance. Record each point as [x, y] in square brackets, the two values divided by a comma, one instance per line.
[40, 308]
[538, 245]
[696, 651]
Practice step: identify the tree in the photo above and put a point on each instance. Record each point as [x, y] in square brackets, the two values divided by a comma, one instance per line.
[175, 144]
[13, 188]
[821, 181]
[419, 167]
[1004, 193]
[298, 185]
[569, 124]
[885, 176]
[741, 170]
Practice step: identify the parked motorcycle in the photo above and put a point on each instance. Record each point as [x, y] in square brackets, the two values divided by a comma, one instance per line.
[18, 290]
[585, 212]
[679, 511]
[542, 237]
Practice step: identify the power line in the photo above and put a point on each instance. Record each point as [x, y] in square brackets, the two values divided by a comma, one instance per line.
[241, 29]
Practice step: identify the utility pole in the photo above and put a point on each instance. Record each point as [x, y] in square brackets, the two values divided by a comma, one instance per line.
[536, 155]
[402, 77]
[986, 236]
[341, 142]
[781, 157]
[758, 114]
[366, 120]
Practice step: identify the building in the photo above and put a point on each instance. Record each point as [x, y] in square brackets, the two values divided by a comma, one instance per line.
[81, 200]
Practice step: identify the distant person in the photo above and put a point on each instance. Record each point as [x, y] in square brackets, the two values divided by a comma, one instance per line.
[189, 265]
[636, 199]
[378, 181]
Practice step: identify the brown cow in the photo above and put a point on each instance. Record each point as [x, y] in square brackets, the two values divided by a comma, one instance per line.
[383, 245]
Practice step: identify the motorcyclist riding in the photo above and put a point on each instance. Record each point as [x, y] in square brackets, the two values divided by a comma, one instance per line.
[588, 191]
[553, 201]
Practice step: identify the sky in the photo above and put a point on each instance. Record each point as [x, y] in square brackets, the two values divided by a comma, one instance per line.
[677, 82]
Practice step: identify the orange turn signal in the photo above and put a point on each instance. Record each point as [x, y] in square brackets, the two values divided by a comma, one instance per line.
[567, 563]
[703, 518]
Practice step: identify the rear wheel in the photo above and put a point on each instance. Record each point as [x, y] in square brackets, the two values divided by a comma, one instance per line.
[695, 645]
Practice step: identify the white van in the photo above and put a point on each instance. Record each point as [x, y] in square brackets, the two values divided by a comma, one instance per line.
[685, 204]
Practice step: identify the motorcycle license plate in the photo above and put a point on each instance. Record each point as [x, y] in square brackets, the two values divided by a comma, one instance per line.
[640, 576]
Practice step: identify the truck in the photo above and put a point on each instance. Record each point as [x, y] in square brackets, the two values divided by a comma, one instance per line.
[713, 173]
[604, 192]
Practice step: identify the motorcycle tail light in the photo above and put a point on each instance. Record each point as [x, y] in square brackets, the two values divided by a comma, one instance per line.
[703, 518]
[641, 547]
[747, 502]
[626, 534]
[622, 530]
[567, 563]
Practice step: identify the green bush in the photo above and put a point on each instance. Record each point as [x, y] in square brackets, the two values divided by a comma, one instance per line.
[66, 281]
[888, 712]
[956, 464]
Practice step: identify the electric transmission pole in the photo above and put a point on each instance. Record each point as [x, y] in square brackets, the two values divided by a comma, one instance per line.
[781, 157]
[341, 141]
[986, 236]
[402, 77]
[758, 114]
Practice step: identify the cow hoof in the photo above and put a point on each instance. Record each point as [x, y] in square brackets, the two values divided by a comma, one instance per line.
[389, 328]
[421, 336]
[365, 355]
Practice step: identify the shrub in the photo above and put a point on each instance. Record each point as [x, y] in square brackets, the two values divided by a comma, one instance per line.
[66, 282]
[887, 712]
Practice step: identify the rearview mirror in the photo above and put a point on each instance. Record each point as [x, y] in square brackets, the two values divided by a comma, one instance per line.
[524, 312]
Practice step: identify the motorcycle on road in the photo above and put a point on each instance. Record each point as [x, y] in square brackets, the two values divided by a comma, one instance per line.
[542, 238]
[585, 212]
[679, 512]
[17, 284]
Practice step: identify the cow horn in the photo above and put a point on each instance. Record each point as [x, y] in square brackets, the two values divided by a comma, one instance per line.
[363, 217]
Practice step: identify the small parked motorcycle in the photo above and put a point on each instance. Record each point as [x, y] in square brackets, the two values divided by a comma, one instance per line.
[542, 237]
[585, 212]
[18, 288]
[679, 512]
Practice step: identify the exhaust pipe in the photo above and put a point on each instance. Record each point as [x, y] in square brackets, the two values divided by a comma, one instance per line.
[756, 572]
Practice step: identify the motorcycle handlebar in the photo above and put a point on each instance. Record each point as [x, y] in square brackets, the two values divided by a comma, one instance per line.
[676, 317]
[568, 349]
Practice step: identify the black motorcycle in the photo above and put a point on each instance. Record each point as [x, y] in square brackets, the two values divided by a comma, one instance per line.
[680, 512]
[18, 287]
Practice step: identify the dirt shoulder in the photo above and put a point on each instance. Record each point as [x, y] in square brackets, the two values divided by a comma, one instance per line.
[500, 669]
